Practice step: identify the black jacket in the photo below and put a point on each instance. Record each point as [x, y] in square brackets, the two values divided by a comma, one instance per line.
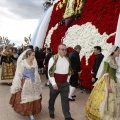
[75, 60]
[7, 59]
[37, 54]
[47, 58]
[41, 55]
[97, 63]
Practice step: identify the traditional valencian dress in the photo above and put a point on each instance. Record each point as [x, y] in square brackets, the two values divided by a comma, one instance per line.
[7, 71]
[101, 104]
[26, 89]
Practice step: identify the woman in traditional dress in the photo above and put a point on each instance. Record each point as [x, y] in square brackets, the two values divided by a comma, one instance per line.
[26, 87]
[104, 100]
[7, 66]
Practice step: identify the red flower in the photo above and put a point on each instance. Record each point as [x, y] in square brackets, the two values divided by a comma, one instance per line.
[70, 49]
[111, 39]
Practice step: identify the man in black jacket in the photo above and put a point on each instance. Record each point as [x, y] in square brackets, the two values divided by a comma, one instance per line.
[98, 60]
[75, 64]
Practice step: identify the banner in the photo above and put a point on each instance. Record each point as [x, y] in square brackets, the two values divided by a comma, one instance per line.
[117, 38]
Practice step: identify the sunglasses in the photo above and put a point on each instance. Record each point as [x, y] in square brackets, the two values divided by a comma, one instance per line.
[63, 49]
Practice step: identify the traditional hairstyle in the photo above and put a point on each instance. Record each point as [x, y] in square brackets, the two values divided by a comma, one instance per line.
[114, 50]
[28, 53]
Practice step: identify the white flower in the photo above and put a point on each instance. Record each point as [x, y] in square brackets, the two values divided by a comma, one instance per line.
[48, 38]
[87, 36]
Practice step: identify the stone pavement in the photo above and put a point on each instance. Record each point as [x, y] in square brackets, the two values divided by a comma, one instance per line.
[76, 107]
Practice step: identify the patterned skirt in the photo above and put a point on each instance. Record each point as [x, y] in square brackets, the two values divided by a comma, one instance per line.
[102, 105]
[26, 109]
[7, 71]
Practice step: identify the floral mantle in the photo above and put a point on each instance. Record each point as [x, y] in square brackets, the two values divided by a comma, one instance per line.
[96, 26]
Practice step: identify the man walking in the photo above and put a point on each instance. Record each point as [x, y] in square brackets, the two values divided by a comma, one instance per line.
[59, 71]
[75, 64]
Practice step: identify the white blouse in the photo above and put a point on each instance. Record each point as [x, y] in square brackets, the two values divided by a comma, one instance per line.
[62, 67]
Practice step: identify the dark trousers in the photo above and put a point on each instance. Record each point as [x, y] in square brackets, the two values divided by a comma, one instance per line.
[74, 79]
[63, 89]
[46, 73]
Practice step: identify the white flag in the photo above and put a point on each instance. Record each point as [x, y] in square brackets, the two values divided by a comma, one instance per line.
[117, 38]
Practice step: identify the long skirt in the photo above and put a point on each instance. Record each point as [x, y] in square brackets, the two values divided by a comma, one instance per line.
[102, 105]
[7, 71]
[29, 108]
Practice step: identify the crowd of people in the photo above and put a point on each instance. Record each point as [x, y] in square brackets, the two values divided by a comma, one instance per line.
[9, 56]
[24, 67]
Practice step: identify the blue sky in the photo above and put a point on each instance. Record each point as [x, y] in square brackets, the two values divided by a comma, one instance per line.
[19, 18]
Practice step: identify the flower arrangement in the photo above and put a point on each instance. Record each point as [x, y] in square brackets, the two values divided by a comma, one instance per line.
[87, 36]
[96, 26]
[48, 38]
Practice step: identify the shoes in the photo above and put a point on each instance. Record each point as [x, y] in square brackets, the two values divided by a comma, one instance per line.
[32, 118]
[46, 85]
[52, 116]
[69, 118]
[74, 96]
[71, 99]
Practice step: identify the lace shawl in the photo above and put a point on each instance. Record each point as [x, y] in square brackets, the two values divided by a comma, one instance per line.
[31, 90]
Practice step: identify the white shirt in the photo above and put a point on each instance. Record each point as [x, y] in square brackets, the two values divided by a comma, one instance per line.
[62, 67]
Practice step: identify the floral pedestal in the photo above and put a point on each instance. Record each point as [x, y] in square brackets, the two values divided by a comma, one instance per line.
[95, 26]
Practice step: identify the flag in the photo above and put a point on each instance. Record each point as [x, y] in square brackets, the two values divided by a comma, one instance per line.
[117, 38]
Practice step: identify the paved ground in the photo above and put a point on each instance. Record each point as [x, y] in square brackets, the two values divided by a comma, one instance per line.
[76, 107]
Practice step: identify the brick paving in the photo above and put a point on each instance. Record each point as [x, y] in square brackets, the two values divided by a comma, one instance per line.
[76, 107]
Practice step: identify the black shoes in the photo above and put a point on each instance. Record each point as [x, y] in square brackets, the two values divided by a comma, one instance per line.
[69, 118]
[71, 99]
[74, 96]
[52, 116]
[46, 85]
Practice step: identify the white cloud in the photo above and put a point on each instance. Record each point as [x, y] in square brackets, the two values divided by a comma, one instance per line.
[19, 18]
[23, 8]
